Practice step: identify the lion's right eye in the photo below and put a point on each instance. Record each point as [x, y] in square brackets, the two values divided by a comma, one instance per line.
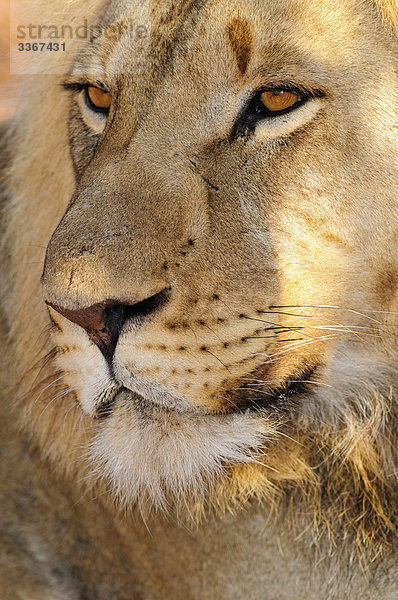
[98, 100]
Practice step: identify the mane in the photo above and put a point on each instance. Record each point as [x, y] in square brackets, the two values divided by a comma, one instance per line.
[389, 11]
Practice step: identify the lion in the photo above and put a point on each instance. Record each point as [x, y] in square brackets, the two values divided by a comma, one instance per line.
[199, 300]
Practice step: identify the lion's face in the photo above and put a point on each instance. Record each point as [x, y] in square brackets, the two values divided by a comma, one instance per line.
[230, 249]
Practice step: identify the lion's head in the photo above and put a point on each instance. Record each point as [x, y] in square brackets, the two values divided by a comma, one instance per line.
[219, 202]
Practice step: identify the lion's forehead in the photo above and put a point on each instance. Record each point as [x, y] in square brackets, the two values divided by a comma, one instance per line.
[290, 32]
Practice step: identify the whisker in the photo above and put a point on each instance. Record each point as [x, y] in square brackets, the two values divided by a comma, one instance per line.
[276, 329]
[351, 310]
[216, 357]
[53, 382]
[214, 333]
[271, 323]
[294, 346]
[258, 391]
[75, 403]
[44, 363]
[254, 379]
[279, 312]
[54, 399]
[261, 337]
[320, 383]
[342, 329]
[331, 321]
[228, 400]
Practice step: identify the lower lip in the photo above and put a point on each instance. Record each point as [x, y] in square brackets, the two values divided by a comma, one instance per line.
[281, 398]
[278, 399]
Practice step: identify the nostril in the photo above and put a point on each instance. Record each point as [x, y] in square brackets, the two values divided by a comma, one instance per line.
[104, 321]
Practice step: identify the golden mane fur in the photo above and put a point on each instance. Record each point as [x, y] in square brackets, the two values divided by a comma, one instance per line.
[389, 10]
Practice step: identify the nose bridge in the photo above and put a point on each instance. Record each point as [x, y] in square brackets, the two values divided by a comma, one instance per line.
[122, 227]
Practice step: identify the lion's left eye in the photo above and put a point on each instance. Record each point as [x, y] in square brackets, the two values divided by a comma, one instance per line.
[265, 105]
[277, 101]
[98, 100]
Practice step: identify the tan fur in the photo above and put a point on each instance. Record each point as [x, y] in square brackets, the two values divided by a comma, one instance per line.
[279, 249]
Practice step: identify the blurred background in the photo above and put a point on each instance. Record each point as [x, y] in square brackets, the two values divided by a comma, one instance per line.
[6, 82]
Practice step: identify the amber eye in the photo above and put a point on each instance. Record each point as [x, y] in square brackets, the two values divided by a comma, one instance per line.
[279, 100]
[97, 99]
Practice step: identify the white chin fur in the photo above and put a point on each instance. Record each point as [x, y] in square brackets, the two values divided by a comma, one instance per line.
[165, 457]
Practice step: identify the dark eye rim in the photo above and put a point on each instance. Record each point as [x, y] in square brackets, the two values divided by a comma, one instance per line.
[255, 111]
[91, 105]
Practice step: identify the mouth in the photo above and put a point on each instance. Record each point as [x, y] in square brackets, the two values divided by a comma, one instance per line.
[281, 397]
[248, 398]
